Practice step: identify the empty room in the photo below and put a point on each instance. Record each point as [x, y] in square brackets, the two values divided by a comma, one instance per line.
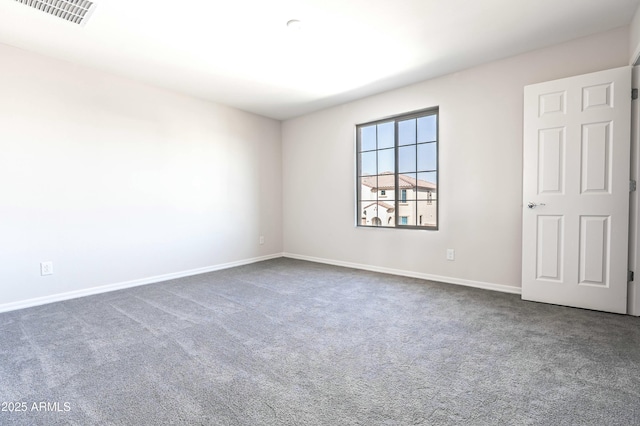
[319, 212]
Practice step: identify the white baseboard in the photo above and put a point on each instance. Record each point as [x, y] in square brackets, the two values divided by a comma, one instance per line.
[128, 284]
[175, 275]
[411, 274]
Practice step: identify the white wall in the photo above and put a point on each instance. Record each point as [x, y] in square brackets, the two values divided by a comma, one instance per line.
[480, 169]
[634, 37]
[115, 181]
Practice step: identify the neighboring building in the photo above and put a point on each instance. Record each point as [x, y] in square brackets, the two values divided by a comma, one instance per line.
[416, 201]
[378, 213]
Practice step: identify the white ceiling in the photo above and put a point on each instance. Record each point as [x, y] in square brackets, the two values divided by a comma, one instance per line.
[242, 54]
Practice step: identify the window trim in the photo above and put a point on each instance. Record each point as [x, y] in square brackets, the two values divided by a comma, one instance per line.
[396, 119]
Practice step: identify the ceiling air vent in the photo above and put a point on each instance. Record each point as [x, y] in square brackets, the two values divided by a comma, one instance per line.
[76, 11]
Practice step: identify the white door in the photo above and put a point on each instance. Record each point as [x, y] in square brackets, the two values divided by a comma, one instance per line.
[576, 191]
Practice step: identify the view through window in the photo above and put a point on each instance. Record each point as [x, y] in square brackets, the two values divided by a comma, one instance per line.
[397, 163]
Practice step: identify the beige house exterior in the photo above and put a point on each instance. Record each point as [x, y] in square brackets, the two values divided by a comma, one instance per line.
[416, 201]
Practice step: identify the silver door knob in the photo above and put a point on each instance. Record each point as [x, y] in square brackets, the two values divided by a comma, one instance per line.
[533, 205]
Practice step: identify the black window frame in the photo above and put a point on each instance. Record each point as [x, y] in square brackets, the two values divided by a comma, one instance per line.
[433, 197]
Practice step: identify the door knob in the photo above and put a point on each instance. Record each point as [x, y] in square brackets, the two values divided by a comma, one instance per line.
[533, 205]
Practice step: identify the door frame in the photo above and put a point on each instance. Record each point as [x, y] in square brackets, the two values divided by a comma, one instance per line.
[633, 297]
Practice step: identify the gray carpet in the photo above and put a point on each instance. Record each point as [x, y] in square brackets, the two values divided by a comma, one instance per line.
[286, 342]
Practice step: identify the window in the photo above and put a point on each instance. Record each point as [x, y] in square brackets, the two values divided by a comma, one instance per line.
[397, 171]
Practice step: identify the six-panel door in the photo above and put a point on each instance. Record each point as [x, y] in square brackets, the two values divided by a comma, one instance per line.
[576, 191]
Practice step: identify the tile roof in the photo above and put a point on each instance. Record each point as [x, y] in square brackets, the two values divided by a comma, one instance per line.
[387, 206]
[386, 180]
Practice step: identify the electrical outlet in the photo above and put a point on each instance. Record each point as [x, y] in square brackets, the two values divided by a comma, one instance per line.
[46, 268]
[451, 254]
[261, 239]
